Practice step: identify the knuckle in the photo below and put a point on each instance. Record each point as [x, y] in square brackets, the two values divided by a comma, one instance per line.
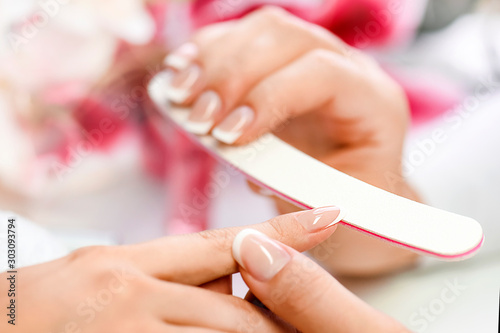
[226, 78]
[206, 36]
[129, 288]
[90, 253]
[141, 285]
[281, 230]
[222, 239]
[270, 14]
[394, 96]
[322, 56]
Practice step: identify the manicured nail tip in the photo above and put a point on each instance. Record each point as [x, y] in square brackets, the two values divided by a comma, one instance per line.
[320, 218]
[338, 219]
[161, 83]
[163, 78]
[340, 216]
[225, 137]
[238, 240]
[178, 96]
[182, 57]
[176, 61]
[199, 128]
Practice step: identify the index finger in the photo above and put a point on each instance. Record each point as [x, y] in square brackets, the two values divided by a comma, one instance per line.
[202, 257]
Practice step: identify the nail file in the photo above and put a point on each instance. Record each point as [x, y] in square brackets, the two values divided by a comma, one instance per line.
[309, 183]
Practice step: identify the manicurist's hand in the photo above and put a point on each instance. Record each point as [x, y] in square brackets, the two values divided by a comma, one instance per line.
[173, 284]
[272, 72]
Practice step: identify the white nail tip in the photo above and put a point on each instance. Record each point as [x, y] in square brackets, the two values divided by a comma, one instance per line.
[238, 240]
[339, 218]
[226, 137]
[162, 80]
[177, 95]
[177, 62]
[199, 128]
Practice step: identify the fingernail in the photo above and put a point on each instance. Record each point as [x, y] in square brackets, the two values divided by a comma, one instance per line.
[201, 118]
[261, 256]
[319, 218]
[182, 83]
[182, 57]
[162, 81]
[231, 128]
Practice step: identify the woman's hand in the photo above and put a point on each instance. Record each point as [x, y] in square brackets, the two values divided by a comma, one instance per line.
[154, 286]
[272, 72]
[297, 290]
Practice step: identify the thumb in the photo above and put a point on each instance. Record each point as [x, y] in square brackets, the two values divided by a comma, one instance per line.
[300, 292]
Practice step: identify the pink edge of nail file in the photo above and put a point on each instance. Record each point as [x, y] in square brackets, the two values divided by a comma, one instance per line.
[309, 183]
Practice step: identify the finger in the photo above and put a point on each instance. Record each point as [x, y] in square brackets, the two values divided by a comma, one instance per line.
[255, 48]
[162, 327]
[223, 285]
[302, 293]
[213, 310]
[184, 76]
[328, 82]
[199, 258]
[228, 67]
[182, 57]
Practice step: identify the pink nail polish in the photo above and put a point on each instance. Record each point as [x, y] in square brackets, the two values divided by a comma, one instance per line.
[261, 256]
[319, 218]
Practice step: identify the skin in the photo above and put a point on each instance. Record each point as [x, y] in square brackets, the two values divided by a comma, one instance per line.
[182, 284]
[323, 97]
[346, 111]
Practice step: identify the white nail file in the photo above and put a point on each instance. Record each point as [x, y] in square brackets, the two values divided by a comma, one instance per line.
[309, 183]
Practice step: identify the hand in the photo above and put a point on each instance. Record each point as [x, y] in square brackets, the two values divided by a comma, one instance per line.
[272, 72]
[300, 292]
[152, 287]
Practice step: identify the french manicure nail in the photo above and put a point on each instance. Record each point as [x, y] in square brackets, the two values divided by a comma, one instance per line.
[261, 256]
[182, 57]
[201, 118]
[182, 83]
[231, 128]
[319, 218]
[162, 81]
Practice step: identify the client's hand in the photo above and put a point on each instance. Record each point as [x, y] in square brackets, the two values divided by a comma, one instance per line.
[155, 286]
[298, 291]
[272, 72]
